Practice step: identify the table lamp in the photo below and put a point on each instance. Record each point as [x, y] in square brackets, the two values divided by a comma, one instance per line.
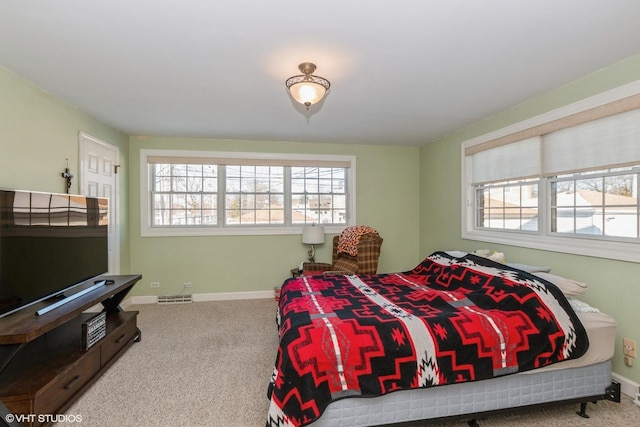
[312, 234]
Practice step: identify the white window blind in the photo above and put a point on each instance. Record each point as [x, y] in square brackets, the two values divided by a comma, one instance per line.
[607, 142]
[520, 159]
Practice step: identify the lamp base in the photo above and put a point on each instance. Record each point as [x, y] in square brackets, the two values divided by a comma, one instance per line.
[311, 254]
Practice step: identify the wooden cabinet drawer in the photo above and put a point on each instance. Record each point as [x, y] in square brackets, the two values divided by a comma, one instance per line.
[67, 383]
[114, 341]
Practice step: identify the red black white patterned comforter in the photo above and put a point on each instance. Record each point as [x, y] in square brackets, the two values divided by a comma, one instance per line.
[455, 317]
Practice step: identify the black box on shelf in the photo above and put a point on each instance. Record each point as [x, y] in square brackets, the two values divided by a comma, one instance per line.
[93, 330]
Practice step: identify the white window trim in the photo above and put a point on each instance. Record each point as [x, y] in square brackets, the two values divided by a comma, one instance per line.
[145, 190]
[624, 251]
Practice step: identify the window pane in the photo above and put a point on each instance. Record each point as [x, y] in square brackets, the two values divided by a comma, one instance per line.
[312, 216]
[232, 209]
[178, 170]
[507, 206]
[297, 185]
[621, 222]
[339, 216]
[311, 185]
[620, 190]
[564, 220]
[247, 179]
[194, 170]
[277, 184]
[496, 197]
[194, 184]
[604, 203]
[263, 216]
[162, 183]
[178, 184]
[247, 217]
[247, 201]
[162, 169]
[179, 192]
[324, 185]
[529, 196]
[315, 198]
[256, 185]
[512, 218]
[588, 221]
[262, 184]
[340, 202]
[529, 221]
[233, 184]
[209, 209]
[495, 217]
[209, 185]
[193, 211]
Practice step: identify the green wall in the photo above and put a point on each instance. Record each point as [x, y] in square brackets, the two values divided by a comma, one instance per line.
[614, 286]
[38, 132]
[387, 187]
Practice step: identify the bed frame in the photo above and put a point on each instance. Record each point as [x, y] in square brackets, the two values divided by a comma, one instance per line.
[572, 381]
[475, 400]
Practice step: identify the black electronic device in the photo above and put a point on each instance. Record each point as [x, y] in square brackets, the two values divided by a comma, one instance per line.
[93, 330]
[49, 244]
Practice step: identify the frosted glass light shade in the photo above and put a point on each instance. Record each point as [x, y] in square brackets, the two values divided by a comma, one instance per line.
[307, 92]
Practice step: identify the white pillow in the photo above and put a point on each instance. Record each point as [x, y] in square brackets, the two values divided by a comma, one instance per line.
[529, 268]
[581, 306]
[567, 286]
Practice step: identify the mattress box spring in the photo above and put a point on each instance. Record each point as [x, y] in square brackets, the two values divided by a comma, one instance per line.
[510, 391]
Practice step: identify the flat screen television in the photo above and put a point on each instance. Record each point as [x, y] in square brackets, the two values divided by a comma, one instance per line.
[49, 244]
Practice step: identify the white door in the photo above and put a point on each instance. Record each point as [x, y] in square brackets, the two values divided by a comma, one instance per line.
[98, 178]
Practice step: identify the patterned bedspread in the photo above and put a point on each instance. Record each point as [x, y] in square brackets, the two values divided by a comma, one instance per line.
[455, 317]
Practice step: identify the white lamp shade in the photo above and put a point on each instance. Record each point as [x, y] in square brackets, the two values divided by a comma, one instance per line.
[307, 92]
[313, 234]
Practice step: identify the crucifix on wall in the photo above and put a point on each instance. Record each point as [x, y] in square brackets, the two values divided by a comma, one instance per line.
[67, 176]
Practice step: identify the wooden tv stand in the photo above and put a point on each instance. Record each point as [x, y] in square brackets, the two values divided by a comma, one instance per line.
[43, 368]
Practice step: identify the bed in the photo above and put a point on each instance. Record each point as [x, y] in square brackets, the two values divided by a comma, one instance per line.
[458, 337]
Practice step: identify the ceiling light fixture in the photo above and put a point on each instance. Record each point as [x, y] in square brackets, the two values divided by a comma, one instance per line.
[306, 88]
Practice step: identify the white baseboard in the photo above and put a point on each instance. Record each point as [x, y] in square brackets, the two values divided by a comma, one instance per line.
[219, 296]
[145, 299]
[627, 387]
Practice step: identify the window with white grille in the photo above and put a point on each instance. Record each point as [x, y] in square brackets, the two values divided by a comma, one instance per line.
[191, 193]
[566, 181]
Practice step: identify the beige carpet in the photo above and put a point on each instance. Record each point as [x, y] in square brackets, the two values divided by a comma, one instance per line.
[208, 364]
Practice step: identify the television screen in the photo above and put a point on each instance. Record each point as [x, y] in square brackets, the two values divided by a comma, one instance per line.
[49, 243]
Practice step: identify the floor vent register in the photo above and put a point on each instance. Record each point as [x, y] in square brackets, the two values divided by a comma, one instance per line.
[175, 299]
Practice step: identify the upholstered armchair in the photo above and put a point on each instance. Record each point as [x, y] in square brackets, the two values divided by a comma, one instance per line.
[364, 262]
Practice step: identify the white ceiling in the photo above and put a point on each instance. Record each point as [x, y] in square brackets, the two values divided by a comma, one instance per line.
[402, 73]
